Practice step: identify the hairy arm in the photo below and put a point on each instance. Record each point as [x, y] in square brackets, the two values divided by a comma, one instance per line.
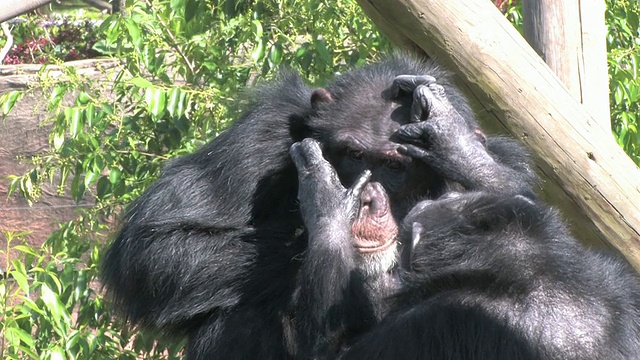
[328, 279]
[209, 233]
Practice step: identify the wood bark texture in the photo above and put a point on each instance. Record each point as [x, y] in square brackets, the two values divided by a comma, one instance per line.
[570, 36]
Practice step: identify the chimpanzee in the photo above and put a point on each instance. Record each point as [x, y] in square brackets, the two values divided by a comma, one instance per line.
[217, 249]
[486, 275]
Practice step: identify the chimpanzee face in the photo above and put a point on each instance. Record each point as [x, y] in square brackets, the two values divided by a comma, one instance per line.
[357, 131]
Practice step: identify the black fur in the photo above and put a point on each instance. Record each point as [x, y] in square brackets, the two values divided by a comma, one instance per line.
[213, 249]
[499, 277]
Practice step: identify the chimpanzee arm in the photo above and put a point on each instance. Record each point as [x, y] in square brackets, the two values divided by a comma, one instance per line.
[454, 146]
[328, 278]
[217, 227]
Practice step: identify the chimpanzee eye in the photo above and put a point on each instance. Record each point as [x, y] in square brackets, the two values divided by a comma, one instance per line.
[394, 165]
[355, 154]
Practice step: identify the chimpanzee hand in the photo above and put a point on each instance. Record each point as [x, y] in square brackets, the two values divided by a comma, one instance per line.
[323, 199]
[407, 85]
[438, 134]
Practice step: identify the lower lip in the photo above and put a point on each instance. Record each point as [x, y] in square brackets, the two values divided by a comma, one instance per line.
[373, 249]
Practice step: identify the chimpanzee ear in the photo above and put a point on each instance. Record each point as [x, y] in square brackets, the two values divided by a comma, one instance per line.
[481, 136]
[320, 96]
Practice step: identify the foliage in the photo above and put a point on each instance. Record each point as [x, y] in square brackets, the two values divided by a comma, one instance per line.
[623, 43]
[183, 65]
[50, 39]
[50, 308]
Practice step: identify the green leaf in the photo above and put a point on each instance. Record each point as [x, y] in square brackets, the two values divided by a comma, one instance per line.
[321, 47]
[59, 313]
[104, 47]
[90, 113]
[155, 99]
[9, 100]
[17, 333]
[89, 178]
[25, 249]
[31, 306]
[174, 102]
[83, 98]
[58, 140]
[190, 10]
[77, 121]
[77, 188]
[275, 54]
[56, 96]
[256, 28]
[114, 176]
[134, 32]
[258, 51]
[19, 273]
[58, 353]
[183, 104]
[141, 82]
[104, 187]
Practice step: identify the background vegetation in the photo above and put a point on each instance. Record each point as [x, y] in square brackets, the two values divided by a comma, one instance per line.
[185, 63]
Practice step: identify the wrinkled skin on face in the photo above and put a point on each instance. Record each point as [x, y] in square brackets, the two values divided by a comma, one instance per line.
[374, 229]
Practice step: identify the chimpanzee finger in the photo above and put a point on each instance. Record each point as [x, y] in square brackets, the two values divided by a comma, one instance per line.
[437, 90]
[408, 83]
[306, 154]
[409, 132]
[423, 101]
[296, 155]
[355, 190]
[419, 134]
[415, 152]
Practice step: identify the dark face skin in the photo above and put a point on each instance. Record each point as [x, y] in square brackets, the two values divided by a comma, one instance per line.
[360, 138]
[356, 130]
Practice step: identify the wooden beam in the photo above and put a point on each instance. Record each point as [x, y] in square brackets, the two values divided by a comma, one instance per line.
[13, 8]
[570, 36]
[590, 172]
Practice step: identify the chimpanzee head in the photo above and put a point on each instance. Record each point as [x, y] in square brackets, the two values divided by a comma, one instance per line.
[475, 230]
[355, 118]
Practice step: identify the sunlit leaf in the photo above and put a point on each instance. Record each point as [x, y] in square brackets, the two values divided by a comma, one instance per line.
[89, 178]
[134, 32]
[9, 100]
[76, 121]
[155, 99]
[58, 140]
[174, 102]
[141, 82]
[19, 334]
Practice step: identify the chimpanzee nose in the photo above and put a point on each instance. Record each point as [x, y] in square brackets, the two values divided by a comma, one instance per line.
[375, 199]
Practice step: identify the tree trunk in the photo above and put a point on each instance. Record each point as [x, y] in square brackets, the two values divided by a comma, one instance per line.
[586, 174]
[13, 8]
[571, 38]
